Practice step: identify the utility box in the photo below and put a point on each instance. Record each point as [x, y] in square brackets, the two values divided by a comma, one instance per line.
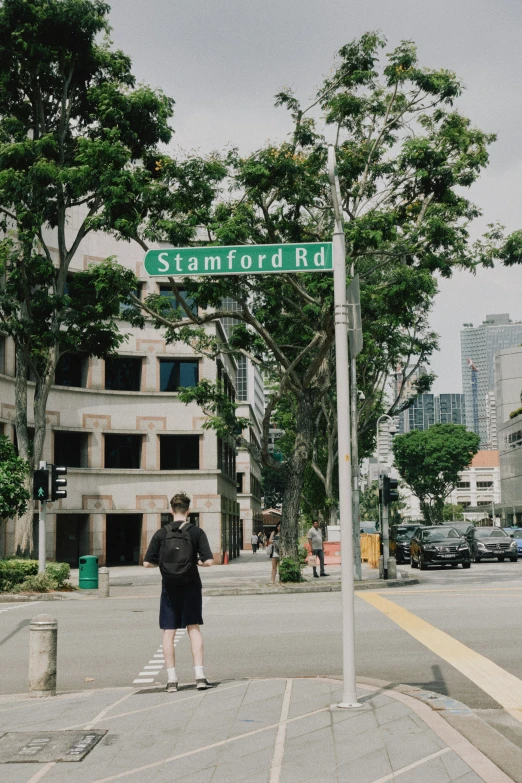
[88, 572]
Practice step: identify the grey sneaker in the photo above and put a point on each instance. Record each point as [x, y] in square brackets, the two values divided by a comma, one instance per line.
[172, 687]
[203, 684]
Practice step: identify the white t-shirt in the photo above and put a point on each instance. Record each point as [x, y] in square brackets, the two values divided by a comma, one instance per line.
[317, 538]
[254, 539]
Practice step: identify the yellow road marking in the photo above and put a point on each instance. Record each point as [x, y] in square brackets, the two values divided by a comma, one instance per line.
[502, 686]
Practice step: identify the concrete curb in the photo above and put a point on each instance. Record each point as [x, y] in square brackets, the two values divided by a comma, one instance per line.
[306, 587]
[332, 587]
[494, 745]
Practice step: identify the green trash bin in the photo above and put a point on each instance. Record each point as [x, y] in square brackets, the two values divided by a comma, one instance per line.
[88, 572]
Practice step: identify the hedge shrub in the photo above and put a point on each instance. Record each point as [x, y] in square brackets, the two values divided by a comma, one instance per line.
[290, 570]
[39, 583]
[15, 572]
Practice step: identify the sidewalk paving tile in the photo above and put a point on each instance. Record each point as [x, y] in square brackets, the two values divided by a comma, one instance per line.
[365, 769]
[432, 771]
[454, 765]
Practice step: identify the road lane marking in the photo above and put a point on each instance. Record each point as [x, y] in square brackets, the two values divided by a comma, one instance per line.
[402, 770]
[502, 686]
[279, 747]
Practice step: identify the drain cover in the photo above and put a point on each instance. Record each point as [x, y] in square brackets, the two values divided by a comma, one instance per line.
[45, 746]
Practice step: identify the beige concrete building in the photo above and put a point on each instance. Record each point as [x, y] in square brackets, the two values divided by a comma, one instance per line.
[129, 442]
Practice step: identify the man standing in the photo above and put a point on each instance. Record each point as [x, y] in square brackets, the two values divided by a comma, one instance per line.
[315, 539]
[179, 548]
[254, 542]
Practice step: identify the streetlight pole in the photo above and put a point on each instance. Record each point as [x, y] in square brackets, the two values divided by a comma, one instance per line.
[343, 424]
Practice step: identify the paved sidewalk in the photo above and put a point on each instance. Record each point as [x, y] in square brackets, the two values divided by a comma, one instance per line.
[243, 575]
[257, 731]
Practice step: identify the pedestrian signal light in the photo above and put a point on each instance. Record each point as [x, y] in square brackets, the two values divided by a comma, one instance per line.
[41, 485]
[58, 483]
[390, 490]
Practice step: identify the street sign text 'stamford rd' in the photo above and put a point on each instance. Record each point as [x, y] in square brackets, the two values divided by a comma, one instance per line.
[240, 260]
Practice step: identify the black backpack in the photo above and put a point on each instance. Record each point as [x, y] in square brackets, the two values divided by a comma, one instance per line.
[176, 556]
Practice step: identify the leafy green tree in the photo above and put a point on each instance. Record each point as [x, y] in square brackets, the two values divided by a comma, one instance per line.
[452, 511]
[369, 503]
[405, 157]
[79, 152]
[14, 495]
[430, 462]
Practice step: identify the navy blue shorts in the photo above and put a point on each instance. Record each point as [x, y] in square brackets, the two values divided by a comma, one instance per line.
[181, 607]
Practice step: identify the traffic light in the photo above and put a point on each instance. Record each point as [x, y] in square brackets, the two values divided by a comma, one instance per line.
[58, 484]
[41, 485]
[390, 490]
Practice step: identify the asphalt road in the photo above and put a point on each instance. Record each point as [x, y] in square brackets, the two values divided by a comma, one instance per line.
[106, 643]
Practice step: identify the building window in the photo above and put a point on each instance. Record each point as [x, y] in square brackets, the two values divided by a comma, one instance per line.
[484, 484]
[463, 485]
[226, 458]
[123, 451]
[168, 293]
[2, 353]
[71, 449]
[123, 373]
[240, 477]
[255, 487]
[138, 291]
[71, 370]
[178, 373]
[179, 452]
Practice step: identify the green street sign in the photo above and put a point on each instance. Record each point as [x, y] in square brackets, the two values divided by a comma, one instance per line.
[240, 260]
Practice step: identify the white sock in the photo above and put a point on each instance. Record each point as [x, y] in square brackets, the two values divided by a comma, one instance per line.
[171, 675]
[200, 675]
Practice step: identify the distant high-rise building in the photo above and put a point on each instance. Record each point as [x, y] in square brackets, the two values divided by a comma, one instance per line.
[479, 346]
[429, 409]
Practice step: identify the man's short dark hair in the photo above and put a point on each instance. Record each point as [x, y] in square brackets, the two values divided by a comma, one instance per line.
[180, 503]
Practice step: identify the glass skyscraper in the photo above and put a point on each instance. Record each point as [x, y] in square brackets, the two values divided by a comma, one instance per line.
[481, 344]
[429, 409]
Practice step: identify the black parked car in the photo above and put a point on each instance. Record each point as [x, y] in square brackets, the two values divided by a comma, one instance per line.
[465, 529]
[439, 545]
[493, 542]
[400, 540]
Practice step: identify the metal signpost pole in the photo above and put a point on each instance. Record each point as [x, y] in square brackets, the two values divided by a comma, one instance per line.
[385, 537]
[343, 423]
[41, 529]
[355, 474]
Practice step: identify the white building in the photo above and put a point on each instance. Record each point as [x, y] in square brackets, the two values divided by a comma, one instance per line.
[129, 443]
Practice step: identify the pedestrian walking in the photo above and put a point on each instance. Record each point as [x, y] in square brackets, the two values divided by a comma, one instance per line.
[261, 539]
[179, 548]
[273, 550]
[255, 542]
[315, 539]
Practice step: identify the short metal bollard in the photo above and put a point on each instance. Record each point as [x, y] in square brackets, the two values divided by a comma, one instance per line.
[43, 645]
[392, 568]
[381, 567]
[103, 582]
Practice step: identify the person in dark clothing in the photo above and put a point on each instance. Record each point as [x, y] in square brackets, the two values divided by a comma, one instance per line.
[181, 606]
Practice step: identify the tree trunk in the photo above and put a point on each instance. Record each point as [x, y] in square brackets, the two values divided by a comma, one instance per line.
[295, 472]
[24, 543]
[23, 540]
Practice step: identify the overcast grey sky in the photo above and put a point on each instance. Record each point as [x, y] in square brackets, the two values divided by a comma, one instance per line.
[223, 61]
